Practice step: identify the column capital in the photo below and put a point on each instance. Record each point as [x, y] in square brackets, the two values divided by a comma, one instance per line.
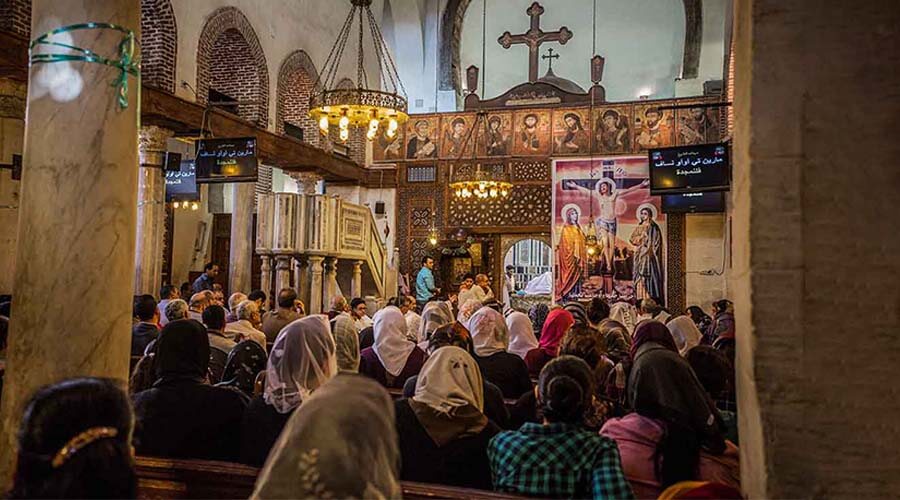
[152, 145]
[306, 181]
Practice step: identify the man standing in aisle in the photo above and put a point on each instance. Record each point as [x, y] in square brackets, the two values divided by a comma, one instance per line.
[509, 285]
[425, 288]
[205, 280]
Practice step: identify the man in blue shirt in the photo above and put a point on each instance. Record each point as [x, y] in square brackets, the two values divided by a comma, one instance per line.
[205, 280]
[425, 288]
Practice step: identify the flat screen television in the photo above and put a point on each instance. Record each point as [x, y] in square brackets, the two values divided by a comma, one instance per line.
[694, 203]
[226, 160]
[687, 169]
[181, 184]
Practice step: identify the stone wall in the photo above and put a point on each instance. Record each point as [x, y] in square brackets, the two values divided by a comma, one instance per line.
[816, 272]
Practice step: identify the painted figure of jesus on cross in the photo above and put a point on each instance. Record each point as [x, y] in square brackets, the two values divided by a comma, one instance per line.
[533, 38]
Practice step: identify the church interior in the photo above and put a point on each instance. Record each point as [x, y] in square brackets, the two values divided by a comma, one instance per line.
[449, 249]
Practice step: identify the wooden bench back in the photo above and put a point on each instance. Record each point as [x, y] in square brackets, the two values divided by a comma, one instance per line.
[164, 479]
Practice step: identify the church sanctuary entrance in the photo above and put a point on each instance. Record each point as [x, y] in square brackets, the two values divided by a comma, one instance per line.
[494, 248]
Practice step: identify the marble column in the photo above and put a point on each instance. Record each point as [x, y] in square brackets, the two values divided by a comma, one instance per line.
[12, 134]
[241, 253]
[151, 214]
[356, 282]
[79, 203]
[315, 284]
[265, 277]
[301, 279]
[282, 272]
[330, 285]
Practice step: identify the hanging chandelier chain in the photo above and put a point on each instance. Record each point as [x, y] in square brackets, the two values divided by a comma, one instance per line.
[326, 77]
[362, 81]
[391, 68]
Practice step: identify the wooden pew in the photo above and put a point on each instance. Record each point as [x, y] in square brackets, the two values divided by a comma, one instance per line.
[398, 394]
[164, 479]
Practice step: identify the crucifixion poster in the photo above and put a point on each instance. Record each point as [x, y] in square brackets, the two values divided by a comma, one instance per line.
[610, 202]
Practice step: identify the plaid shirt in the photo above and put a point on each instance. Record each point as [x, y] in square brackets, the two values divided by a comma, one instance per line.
[557, 460]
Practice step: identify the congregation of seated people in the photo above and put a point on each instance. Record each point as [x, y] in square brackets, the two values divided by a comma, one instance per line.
[573, 400]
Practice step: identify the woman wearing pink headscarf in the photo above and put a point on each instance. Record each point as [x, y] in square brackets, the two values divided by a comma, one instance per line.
[559, 321]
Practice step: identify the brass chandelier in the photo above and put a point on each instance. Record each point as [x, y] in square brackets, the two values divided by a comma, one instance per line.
[376, 110]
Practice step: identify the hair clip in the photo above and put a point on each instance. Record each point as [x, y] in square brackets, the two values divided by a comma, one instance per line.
[80, 441]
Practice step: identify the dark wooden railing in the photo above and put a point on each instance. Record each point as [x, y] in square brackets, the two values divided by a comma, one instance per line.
[164, 479]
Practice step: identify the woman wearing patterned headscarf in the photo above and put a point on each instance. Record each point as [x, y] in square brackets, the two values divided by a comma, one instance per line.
[245, 361]
[443, 429]
[346, 341]
[538, 315]
[303, 359]
[435, 315]
[491, 338]
[322, 452]
[578, 312]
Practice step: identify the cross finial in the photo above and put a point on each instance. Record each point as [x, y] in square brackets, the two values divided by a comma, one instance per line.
[551, 56]
[534, 37]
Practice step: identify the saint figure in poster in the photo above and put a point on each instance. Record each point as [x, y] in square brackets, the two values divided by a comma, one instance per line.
[575, 136]
[529, 136]
[571, 254]
[655, 132]
[455, 138]
[496, 140]
[421, 146]
[606, 194]
[698, 128]
[613, 132]
[648, 267]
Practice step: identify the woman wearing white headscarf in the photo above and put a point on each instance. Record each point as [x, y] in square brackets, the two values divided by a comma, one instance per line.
[443, 430]
[490, 337]
[435, 315]
[346, 340]
[393, 358]
[521, 334]
[624, 313]
[685, 333]
[323, 454]
[302, 360]
[466, 310]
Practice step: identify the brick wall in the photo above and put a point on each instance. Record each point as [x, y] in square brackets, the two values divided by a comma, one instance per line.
[231, 60]
[15, 16]
[233, 72]
[158, 44]
[296, 82]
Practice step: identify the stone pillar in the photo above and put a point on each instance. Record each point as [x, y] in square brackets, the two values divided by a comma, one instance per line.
[301, 279]
[330, 285]
[307, 182]
[356, 281]
[315, 284]
[282, 272]
[816, 242]
[79, 203]
[241, 253]
[151, 218]
[265, 277]
[12, 134]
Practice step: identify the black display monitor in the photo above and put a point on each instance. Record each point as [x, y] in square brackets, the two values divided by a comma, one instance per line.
[685, 169]
[226, 160]
[694, 203]
[181, 184]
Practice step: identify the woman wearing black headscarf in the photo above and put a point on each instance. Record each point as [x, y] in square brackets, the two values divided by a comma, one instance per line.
[182, 416]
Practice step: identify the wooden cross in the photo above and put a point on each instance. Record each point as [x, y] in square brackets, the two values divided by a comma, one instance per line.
[551, 56]
[533, 38]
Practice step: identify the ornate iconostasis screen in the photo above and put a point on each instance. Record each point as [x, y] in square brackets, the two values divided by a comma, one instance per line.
[610, 201]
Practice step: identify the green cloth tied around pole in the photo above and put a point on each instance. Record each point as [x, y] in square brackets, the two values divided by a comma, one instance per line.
[127, 64]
